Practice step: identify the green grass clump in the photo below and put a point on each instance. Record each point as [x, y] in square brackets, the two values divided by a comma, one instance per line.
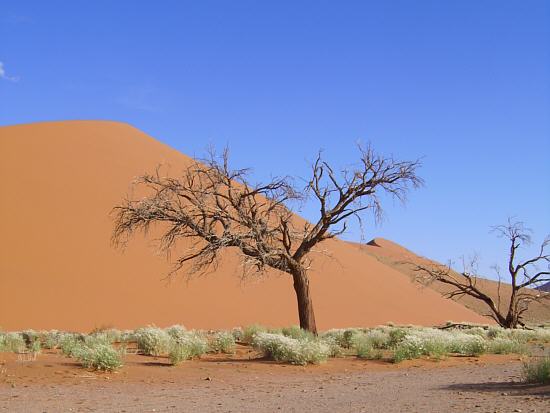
[100, 356]
[176, 331]
[335, 336]
[506, 346]
[542, 334]
[495, 332]
[94, 339]
[291, 350]
[412, 341]
[525, 335]
[223, 342]
[128, 336]
[237, 333]
[250, 331]
[343, 337]
[396, 335]
[437, 344]
[379, 338]
[348, 337]
[521, 335]
[188, 346]
[537, 371]
[364, 348]
[435, 349]
[418, 342]
[468, 345]
[197, 344]
[408, 348]
[297, 333]
[50, 339]
[70, 344]
[153, 341]
[108, 335]
[12, 342]
[30, 336]
[178, 353]
[334, 349]
[367, 344]
[35, 347]
[476, 331]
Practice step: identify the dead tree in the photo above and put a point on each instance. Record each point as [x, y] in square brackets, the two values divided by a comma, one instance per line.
[215, 208]
[524, 275]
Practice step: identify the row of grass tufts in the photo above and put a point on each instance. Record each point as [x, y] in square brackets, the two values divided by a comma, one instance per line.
[405, 343]
[104, 349]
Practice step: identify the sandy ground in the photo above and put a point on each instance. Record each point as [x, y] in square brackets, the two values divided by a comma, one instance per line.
[244, 383]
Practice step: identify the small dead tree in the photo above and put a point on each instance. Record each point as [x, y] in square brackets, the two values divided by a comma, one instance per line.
[524, 276]
[215, 208]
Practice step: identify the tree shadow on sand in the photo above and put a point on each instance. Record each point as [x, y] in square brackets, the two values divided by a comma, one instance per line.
[164, 362]
[510, 388]
[259, 359]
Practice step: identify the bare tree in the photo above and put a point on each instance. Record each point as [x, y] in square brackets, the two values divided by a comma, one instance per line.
[524, 275]
[215, 207]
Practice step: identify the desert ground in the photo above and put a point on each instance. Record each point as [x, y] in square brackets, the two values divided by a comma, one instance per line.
[246, 383]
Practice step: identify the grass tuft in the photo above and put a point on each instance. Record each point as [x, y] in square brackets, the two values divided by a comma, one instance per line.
[297, 333]
[176, 331]
[506, 346]
[100, 356]
[250, 331]
[291, 350]
[223, 342]
[13, 342]
[153, 341]
[187, 346]
[537, 371]
[70, 344]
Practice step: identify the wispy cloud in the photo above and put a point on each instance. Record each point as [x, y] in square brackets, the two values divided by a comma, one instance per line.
[4, 76]
[139, 98]
[17, 19]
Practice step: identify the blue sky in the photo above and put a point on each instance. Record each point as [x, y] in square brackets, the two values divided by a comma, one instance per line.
[463, 84]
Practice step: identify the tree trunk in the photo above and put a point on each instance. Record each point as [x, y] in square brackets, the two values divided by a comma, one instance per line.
[305, 305]
[511, 320]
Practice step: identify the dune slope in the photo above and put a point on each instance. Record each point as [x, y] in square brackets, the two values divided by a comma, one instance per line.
[59, 270]
[404, 260]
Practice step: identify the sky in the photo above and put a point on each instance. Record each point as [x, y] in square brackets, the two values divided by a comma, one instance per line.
[463, 85]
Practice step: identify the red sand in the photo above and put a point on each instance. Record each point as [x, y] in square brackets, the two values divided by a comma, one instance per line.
[59, 270]
[240, 383]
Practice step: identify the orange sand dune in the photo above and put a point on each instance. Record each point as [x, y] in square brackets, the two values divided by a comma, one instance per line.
[404, 260]
[59, 270]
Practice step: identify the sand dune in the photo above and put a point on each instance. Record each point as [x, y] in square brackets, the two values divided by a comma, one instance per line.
[545, 287]
[59, 270]
[401, 259]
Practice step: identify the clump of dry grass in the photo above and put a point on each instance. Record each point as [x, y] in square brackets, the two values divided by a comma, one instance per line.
[537, 371]
[291, 350]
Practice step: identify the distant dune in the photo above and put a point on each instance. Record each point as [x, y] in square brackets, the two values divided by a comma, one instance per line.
[59, 270]
[401, 259]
